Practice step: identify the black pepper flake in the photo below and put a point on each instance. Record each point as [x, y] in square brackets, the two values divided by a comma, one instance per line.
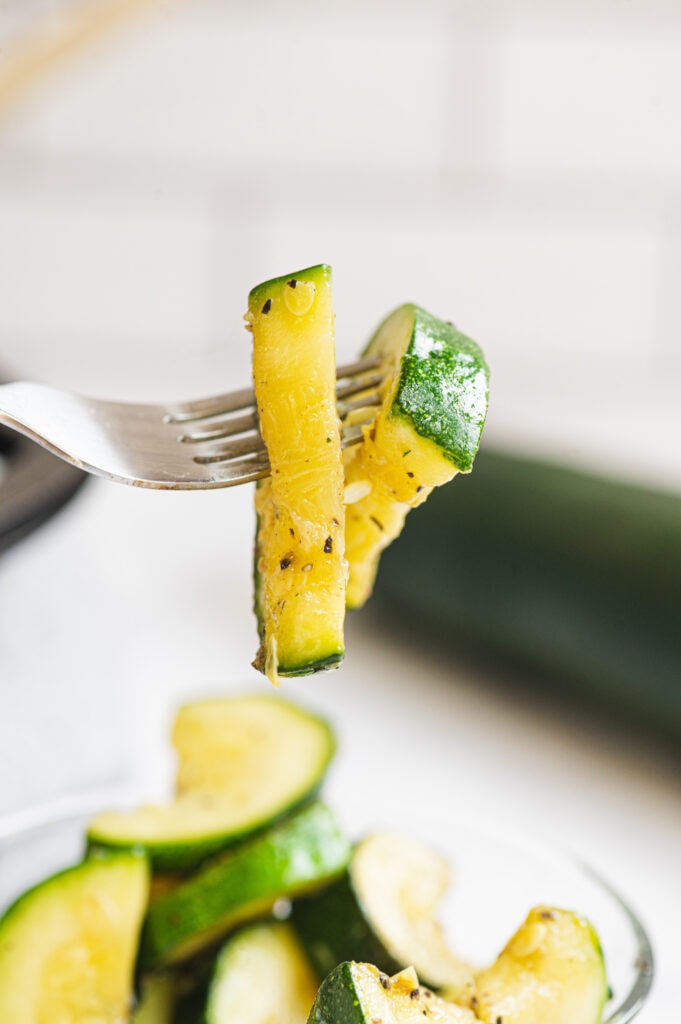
[427, 992]
[377, 522]
[334, 522]
[410, 474]
[500, 1020]
[414, 994]
[384, 980]
[548, 915]
[372, 433]
[291, 531]
[474, 1002]
[267, 307]
[328, 545]
[285, 562]
[292, 283]
[419, 488]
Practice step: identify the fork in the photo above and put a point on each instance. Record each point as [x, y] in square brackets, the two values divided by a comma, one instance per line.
[210, 442]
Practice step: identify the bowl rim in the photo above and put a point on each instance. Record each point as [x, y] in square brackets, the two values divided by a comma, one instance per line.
[75, 805]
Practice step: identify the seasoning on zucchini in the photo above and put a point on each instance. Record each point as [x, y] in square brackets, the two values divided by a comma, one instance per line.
[428, 428]
[552, 969]
[297, 855]
[67, 946]
[300, 567]
[243, 763]
[261, 975]
[358, 993]
[383, 911]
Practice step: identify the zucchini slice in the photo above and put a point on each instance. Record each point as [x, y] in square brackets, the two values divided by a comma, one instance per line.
[297, 855]
[261, 975]
[551, 970]
[428, 428]
[243, 762]
[67, 946]
[157, 1001]
[358, 993]
[300, 567]
[383, 910]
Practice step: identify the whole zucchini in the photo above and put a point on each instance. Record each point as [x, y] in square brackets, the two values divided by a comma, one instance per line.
[572, 577]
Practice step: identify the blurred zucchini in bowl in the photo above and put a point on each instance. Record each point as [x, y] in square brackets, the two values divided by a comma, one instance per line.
[555, 571]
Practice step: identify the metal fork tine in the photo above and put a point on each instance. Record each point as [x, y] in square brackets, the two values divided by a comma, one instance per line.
[248, 425]
[249, 443]
[138, 443]
[217, 405]
[222, 428]
[358, 367]
[237, 452]
[355, 377]
[368, 401]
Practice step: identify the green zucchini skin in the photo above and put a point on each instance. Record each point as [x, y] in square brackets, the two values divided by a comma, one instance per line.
[267, 960]
[368, 916]
[101, 899]
[552, 571]
[337, 999]
[333, 928]
[442, 388]
[156, 1002]
[303, 852]
[187, 849]
[358, 993]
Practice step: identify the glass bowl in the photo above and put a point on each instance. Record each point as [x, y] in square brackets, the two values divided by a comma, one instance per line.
[497, 875]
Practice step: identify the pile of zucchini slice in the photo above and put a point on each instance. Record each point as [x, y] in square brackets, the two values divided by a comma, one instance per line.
[274, 915]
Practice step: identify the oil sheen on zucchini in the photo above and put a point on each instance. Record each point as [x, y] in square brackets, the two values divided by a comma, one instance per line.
[300, 567]
[67, 946]
[358, 993]
[297, 855]
[428, 428]
[552, 969]
[384, 911]
[242, 762]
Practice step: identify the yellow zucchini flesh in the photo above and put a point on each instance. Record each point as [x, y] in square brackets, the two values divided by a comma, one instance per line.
[243, 762]
[261, 975]
[552, 969]
[427, 429]
[68, 946]
[300, 568]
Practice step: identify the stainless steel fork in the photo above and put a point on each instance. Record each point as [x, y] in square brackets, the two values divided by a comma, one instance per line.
[212, 442]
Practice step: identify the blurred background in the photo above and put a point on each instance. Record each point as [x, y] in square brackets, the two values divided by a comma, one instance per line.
[511, 165]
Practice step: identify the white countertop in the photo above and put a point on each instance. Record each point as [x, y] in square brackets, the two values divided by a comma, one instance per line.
[131, 601]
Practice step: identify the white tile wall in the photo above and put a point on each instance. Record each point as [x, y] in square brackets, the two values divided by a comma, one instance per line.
[512, 165]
